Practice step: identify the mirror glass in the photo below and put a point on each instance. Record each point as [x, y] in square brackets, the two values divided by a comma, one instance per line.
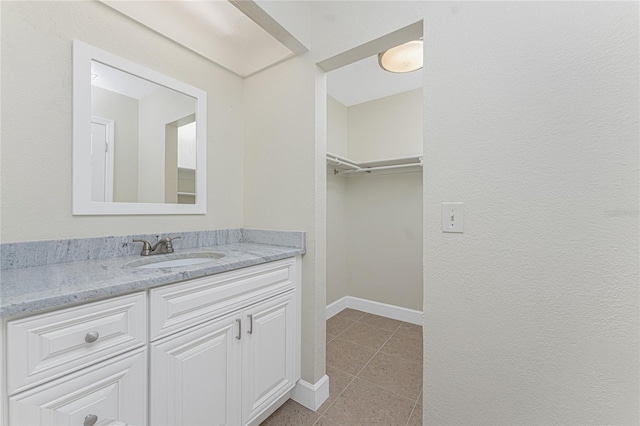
[139, 138]
[142, 140]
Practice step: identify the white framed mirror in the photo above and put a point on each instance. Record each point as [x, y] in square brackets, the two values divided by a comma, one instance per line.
[139, 138]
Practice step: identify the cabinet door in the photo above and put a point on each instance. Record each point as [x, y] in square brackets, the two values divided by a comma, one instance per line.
[195, 375]
[268, 369]
[111, 392]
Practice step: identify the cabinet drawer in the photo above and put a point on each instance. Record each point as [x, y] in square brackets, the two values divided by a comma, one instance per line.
[112, 392]
[176, 307]
[46, 346]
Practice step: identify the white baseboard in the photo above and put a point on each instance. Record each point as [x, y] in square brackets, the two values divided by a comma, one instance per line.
[310, 395]
[336, 307]
[383, 309]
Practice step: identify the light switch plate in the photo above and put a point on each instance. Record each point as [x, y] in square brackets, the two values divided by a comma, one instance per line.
[452, 217]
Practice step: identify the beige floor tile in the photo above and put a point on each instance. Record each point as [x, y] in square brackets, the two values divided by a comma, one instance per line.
[350, 314]
[395, 374]
[325, 421]
[336, 325]
[291, 414]
[364, 404]
[366, 335]
[404, 346]
[408, 329]
[416, 415]
[338, 381]
[347, 356]
[380, 322]
[330, 338]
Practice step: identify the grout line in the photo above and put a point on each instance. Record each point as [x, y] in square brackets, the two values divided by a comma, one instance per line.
[339, 395]
[357, 375]
[387, 390]
[392, 331]
[412, 410]
[346, 328]
[378, 385]
[374, 355]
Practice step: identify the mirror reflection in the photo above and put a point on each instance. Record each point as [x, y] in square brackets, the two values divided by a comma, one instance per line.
[143, 140]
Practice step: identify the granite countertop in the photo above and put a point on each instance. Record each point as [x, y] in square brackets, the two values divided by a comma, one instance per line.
[38, 288]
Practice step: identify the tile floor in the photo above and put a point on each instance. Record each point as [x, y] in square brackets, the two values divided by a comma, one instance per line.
[375, 375]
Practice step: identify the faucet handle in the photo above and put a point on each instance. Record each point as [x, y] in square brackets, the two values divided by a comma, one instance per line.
[146, 247]
[169, 244]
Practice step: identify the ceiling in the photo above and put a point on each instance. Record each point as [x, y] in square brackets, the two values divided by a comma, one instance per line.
[237, 40]
[216, 30]
[364, 80]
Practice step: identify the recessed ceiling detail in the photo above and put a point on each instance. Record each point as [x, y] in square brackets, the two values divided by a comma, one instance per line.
[216, 30]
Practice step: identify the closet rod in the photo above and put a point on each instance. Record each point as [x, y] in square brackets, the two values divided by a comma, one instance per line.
[340, 162]
[370, 169]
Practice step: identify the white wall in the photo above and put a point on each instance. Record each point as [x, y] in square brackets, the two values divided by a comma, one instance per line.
[389, 127]
[337, 138]
[383, 213]
[159, 108]
[37, 126]
[285, 181]
[337, 128]
[123, 110]
[384, 244]
[531, 119]
[533, 311]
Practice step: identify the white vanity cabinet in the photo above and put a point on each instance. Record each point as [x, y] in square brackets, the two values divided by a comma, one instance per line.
[218, 350]
[82, 365]
[195, 376]
[269, 356]
[230, 369]
[108, 393]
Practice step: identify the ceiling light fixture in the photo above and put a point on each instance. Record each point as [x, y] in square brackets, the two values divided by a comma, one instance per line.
[404, 58]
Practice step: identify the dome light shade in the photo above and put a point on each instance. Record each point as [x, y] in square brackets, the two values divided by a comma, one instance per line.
[404, 58]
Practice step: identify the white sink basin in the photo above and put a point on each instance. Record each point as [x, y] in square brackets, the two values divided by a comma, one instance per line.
[174, 261]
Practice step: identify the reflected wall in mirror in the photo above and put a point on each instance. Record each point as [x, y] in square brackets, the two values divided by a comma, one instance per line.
[139, 139]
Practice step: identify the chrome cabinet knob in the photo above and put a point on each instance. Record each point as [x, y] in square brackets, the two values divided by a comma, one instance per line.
[91, 337]
[90, 420]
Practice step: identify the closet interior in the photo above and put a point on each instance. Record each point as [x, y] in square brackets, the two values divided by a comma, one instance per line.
[374, 194]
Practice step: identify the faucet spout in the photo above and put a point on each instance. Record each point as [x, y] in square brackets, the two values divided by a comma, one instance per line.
[163, 246]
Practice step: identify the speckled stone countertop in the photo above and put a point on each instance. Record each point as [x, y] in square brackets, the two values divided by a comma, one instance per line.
[37, 288]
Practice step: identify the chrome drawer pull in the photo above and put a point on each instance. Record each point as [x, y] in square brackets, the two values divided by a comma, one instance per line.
[90, 420]
[90, 338]
[239, 336]
[250, 331]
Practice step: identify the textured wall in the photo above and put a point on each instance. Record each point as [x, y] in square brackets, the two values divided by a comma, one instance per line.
[337, 134]
[285, 182]
[123, 110]
[531, 119]
[37, 121]
[374, 222]
[384, 245]
[389, 127]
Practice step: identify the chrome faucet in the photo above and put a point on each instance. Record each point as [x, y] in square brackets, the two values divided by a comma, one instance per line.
[163, 246]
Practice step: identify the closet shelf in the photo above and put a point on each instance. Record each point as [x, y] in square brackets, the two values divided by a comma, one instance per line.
[344, 166]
